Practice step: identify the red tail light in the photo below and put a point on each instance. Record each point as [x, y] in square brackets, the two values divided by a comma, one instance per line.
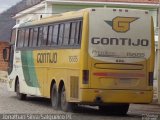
[85, 76]
[151, 77]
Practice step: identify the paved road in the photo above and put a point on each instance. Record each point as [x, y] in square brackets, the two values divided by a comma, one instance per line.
[35, 105]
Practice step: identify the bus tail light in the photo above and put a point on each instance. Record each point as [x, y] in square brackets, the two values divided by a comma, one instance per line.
[150, 78]
[85, 76]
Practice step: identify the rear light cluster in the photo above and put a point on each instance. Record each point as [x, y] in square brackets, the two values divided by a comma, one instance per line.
[85, 76]
[150, 82]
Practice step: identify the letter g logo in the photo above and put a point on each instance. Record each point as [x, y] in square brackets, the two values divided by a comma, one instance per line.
[121, 24]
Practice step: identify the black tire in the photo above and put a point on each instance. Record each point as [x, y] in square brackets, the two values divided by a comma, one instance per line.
[115, 109]
[20, 96]
[66, 106]
[54, 97]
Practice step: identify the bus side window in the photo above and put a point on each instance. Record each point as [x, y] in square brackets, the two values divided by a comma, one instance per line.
[45, 36]
[66, 33]
[72, 34]
[35, 37]
[78, 33]
[21, 34]
[40, 36]
[18, 39]
[30, 37]
[61, 34]
[55, 35]
[50, 35]
[26, 38]
[22, 37]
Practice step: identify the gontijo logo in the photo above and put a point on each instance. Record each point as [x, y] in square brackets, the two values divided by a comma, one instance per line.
[121, 24]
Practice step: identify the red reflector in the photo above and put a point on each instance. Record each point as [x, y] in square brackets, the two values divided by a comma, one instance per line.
[119, 75]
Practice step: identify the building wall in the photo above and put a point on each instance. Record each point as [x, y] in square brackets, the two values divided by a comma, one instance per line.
[57, 8]
[31, 16]
[3, 64]
[51, 9]
[69, 7]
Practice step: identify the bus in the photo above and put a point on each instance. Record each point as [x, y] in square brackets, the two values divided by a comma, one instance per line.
[96, 56]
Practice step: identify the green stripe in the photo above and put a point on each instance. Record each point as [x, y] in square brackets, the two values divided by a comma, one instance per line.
[29, 69]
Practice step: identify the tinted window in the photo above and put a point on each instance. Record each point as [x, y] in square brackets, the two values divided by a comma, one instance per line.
[66, 34]
[22, 37]
[50, 35]
[26, 38]
[61, 33]
[40, 36]
[21, 34]
[45, 36]
[35, 37]
[31, 37]
[18, 39]
[78, 32]
[73, 33]
[55, 35]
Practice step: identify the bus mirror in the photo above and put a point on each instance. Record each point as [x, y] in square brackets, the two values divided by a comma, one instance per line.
[6, 54]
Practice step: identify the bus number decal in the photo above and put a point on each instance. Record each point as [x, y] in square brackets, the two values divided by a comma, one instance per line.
[47, 58]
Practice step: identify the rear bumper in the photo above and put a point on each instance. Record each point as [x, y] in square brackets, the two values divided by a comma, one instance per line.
[96, 96]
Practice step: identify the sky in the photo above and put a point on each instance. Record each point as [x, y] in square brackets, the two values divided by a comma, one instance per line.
[5, 4]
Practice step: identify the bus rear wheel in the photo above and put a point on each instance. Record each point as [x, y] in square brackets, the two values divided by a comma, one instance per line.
[54, 97]
[115, 109]
[66, 106]
[20, 96]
